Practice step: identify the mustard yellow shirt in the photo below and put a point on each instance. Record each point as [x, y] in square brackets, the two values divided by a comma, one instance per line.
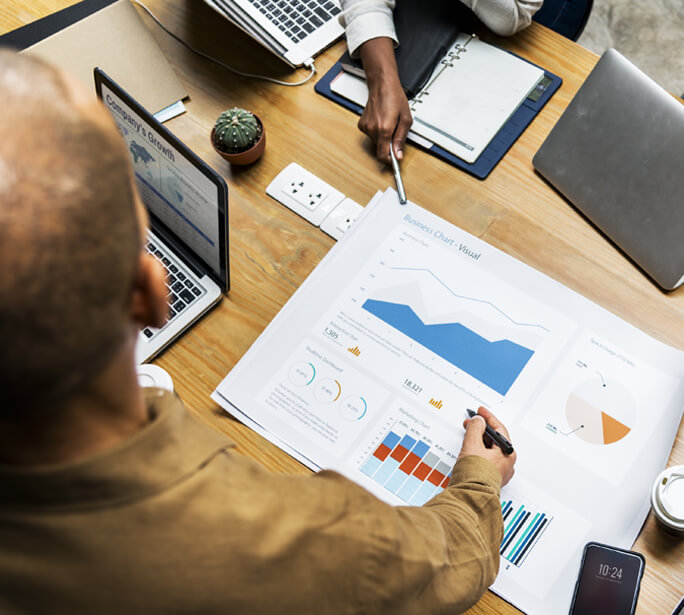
[174, 520]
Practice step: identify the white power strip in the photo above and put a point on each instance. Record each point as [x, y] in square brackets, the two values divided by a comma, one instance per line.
[314, 200]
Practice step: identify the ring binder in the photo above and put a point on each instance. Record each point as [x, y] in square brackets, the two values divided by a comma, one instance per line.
[470, 95]
[351, 92]
[447, 62]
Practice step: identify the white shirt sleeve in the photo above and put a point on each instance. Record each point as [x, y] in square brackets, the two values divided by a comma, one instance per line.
[504, 17]
[367, 19]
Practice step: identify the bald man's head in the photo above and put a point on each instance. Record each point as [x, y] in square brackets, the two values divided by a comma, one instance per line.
[69, 236]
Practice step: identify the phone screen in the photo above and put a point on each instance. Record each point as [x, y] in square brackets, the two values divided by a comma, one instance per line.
[608, 583]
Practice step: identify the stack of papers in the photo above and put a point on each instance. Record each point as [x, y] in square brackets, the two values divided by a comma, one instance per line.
[408, 321]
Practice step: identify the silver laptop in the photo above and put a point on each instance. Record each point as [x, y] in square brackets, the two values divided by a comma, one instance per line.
[187, 204]
[617, 154]
[295, 30]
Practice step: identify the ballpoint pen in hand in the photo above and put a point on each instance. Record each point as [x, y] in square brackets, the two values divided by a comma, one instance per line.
[499, 439]
[397, 175]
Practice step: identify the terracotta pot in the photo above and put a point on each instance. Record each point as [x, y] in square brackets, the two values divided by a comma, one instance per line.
[247, 156]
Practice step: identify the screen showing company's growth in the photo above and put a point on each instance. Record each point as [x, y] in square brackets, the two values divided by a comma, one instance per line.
[171, 187]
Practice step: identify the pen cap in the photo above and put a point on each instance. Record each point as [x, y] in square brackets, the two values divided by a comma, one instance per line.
[667, 500]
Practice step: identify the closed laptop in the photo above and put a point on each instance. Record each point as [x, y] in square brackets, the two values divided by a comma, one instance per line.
[617, 154]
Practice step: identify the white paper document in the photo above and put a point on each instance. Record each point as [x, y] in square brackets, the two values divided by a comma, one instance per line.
[408, 321]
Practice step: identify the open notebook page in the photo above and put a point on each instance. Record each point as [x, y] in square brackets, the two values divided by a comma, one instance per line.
[465, 103]
[472, 97]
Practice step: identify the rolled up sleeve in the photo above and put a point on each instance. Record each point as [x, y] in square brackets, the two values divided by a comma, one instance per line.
[367, 19]
[504, 17]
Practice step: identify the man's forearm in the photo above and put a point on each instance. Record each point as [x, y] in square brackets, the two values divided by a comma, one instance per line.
[449, 548]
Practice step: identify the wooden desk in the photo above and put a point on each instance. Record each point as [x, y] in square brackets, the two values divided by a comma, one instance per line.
[272, 250]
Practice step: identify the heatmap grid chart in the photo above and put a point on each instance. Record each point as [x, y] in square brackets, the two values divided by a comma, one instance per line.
[522, 528]
[407, 466]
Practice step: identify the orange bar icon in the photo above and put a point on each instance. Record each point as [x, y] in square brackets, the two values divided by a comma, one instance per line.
[355, 351]
[436, 403]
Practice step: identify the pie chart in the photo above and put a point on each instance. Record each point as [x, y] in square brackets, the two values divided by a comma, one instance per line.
[600, 411]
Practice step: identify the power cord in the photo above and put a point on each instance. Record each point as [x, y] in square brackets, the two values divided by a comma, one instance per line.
[309, 63]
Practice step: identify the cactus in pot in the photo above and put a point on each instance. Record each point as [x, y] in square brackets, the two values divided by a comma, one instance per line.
[236, 130]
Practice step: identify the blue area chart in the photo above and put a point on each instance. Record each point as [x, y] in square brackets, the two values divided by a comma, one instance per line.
[495, 364]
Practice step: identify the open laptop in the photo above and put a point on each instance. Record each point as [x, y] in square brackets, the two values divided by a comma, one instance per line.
[617, 154]
[187, 204]
[295, 30]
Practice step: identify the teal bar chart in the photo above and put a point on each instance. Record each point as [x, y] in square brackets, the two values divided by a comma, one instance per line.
[523, 527]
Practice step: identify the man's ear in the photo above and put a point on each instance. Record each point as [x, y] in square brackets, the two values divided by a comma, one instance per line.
[149, 307]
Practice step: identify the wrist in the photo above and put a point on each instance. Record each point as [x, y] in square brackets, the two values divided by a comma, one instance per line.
[379, 62]
[475, 468]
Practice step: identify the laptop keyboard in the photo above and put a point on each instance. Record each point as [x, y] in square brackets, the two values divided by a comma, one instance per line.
[182, 286]
[297, 18]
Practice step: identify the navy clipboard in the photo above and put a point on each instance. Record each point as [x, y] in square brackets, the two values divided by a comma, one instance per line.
[499, 145]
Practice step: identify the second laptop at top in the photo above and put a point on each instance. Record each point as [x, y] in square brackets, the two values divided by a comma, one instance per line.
[295, 30]
[617, 154]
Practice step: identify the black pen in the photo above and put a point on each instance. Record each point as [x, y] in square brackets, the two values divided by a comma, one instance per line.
[500, 440]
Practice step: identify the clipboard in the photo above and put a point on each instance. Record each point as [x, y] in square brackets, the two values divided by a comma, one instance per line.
[498, 146]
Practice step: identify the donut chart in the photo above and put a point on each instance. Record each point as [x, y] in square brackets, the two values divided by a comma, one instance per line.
[600, 411]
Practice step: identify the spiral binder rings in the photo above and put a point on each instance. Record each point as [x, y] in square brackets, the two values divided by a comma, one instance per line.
[452, 56]
[434, 133]
[476, 103]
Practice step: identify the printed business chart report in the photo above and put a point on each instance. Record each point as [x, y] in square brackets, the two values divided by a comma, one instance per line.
[408, 321]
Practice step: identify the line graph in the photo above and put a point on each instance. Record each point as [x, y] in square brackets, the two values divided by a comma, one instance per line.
[472, 321]
[414, 307]
[473, 299]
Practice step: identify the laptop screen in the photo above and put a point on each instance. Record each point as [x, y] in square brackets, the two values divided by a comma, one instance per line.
[180, 192]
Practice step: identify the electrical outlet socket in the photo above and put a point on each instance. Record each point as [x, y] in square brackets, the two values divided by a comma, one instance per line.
[339, 220]
[304, 193]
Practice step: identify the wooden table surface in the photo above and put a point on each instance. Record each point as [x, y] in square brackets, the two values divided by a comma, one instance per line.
[272, 250]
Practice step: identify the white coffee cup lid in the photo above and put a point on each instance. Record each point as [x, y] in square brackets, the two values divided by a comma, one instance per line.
[667, 497]
[154, 376]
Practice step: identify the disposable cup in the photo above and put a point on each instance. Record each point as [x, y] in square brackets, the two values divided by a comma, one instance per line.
[667, 500]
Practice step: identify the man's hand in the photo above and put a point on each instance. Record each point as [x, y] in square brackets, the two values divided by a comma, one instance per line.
[474, 444]
[387, 112]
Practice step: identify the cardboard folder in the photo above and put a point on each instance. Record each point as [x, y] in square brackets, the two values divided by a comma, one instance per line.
[109, 34]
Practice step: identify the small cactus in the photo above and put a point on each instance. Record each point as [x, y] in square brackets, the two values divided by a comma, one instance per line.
[236, 130]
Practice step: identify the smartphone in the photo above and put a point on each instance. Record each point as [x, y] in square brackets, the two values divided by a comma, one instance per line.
[679, 609]
[608, 581]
